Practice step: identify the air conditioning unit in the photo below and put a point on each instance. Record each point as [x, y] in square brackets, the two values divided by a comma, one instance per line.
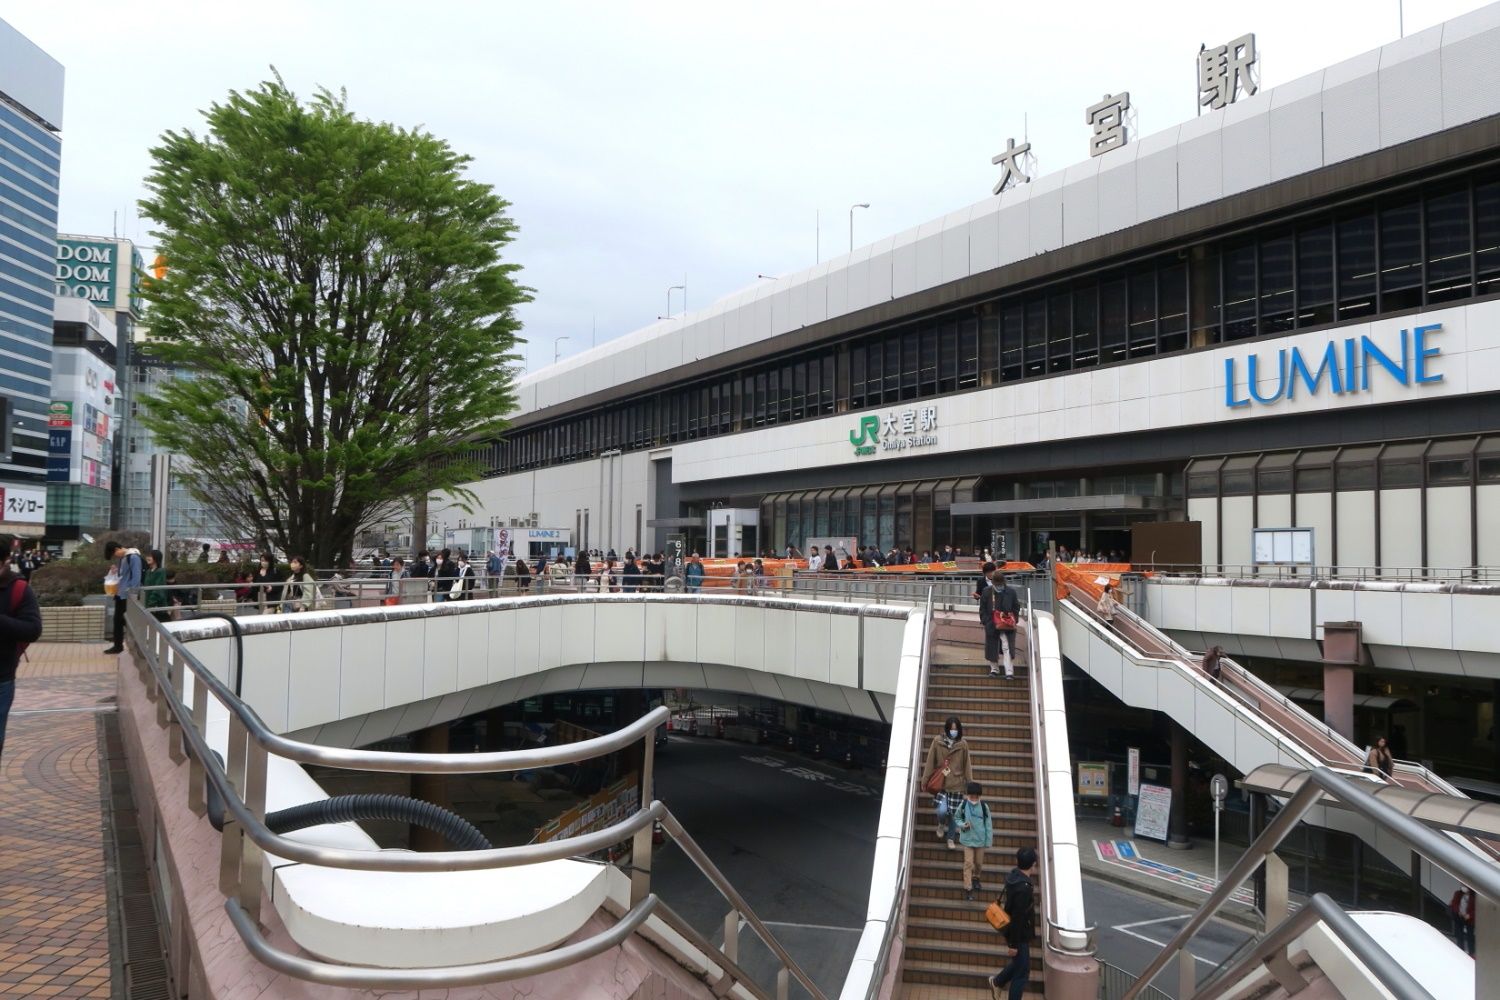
[515, 522]
[534, 519]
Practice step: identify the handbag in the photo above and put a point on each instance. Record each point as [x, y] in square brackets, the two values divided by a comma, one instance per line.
[934, 783]
[996, 915]
[1004, 620]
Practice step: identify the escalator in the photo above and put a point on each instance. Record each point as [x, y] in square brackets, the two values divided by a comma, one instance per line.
[1247, 722]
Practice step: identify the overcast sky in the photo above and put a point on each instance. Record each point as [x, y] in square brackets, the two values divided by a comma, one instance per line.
[639, 142]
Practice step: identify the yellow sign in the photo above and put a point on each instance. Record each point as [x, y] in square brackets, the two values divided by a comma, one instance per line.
[1093, 780]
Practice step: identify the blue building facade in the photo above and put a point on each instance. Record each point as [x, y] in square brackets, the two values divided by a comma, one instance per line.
[31, 99]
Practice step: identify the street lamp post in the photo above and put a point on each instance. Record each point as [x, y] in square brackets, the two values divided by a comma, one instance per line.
[677, 288]
[862, 204]
[557, 348]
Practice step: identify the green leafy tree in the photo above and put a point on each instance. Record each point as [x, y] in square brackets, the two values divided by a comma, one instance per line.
[336, 289]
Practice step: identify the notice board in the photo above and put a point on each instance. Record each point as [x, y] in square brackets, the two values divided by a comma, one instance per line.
[1153, 812]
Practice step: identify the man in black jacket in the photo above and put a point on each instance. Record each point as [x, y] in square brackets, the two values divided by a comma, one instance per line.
[1020, 904]
[20, 624]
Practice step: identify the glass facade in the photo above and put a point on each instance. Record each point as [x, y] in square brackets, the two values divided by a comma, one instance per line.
[29, 163]
[187, 516]
[1427, 243]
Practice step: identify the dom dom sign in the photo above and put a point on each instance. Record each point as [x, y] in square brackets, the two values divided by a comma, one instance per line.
[1345, 366]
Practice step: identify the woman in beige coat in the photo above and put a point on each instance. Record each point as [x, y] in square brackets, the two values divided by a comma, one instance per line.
[949, 753]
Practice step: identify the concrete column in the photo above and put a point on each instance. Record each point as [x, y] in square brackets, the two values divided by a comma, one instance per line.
[429, 787]
[1257, 827]
[1177, 837]
[1343, 649]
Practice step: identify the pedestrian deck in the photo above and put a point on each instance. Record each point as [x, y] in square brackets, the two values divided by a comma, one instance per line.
[54, 926]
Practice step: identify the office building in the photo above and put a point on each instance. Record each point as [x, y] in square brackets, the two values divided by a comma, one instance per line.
[31, 116]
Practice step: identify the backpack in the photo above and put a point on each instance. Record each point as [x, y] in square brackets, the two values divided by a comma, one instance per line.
[17, 592]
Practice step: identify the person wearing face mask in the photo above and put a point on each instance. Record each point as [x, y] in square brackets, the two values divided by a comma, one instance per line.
[949, 756]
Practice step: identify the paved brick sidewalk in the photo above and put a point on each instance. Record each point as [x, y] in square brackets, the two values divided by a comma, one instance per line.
[54, 929]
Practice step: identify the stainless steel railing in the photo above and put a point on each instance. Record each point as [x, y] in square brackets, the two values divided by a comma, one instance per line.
[905, 801]
[166, 664]
[1058, 935]
[1271, 952]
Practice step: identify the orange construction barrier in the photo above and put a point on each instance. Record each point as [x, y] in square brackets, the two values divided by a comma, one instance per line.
[1083, 577]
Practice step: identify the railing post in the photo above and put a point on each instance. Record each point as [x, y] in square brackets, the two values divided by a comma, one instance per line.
[1276, 890]
[783, 983]
[1486, 944]
[732, 936]
[251, 856]
[196, 780]
[232, 835]
[1187, 975]
[640, 848]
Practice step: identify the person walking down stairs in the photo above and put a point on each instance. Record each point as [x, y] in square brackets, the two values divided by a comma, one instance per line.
[1019, 903]
[947, 775]
[976, 833]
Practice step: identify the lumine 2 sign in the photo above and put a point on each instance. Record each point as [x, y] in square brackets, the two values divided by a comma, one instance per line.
[1345, 366]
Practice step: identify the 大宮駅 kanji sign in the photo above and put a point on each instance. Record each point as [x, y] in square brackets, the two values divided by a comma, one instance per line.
[910, 428]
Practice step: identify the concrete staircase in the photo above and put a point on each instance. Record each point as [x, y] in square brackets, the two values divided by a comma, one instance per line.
[950, 949]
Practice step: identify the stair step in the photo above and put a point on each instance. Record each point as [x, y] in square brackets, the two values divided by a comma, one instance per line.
[972, 975]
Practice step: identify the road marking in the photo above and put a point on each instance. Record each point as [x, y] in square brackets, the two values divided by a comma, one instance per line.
[810, 927]
[1158, 920]
[1160, 944]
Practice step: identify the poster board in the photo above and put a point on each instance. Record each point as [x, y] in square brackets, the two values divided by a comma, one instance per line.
[1153, 812]
[1282, 546]
[1093, 780]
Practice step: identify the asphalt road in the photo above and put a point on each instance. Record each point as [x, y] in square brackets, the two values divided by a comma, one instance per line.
[1132, 927]
[797, 838]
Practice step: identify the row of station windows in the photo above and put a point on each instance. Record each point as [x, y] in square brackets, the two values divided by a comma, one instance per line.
[1430, 243]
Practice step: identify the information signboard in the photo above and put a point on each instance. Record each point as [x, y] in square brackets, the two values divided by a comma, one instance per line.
[1153, 812]
[1093, 780]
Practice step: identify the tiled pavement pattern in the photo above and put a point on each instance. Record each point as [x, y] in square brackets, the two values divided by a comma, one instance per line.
[54, 928]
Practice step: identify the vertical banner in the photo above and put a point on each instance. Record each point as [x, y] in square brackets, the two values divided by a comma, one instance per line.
[1133, 772]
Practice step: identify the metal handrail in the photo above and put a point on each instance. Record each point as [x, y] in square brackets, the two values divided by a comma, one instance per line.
[1250, 679]
[409, 763]
[908, 813]
[1318, 909]
[1334, 572]
[366, 977]
[246, 727]
[1281, 740]
[1055, 929]
[1483, 877]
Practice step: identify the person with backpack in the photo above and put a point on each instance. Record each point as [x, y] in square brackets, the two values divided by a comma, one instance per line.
[20, 626]
[1005, 615]
[976, 834]
[1019, 902]
[946, 776]
[130, 573]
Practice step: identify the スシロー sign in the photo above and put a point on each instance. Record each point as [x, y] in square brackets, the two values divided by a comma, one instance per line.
[1342, 366]
[21, 505]
[910, 428]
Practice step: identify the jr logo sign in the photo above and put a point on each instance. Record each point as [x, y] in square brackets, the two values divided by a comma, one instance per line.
[869, 436]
